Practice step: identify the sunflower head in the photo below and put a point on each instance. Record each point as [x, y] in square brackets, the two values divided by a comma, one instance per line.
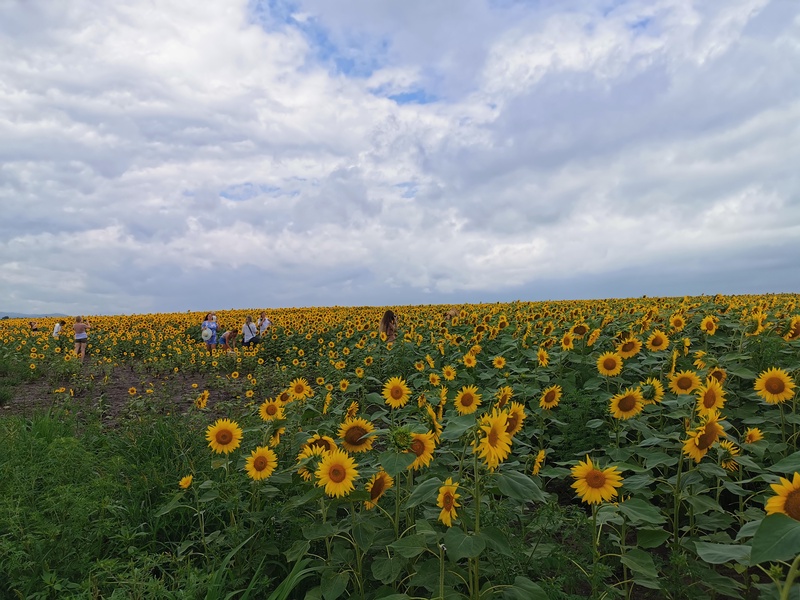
[377, 487]
[775, 386]
[261, 463]
[594, 485]
[396, 392]
[337, 472]
[354, 434]
[609, 364]
[224, 436]
[467, 400]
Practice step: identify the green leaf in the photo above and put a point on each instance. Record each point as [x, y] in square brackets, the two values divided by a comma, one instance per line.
[651, 537]
[457, 426]
[641, 565]
[748, 530]
[524, 589]
[496, 540]
[460, 545]
[703, 504]
[777, 538]
[396, 462]
[424, 491]
[640, 512]
[718, 554]
[209, 496]
[387, 570]
[594, 423]
[742, 372]
[297, 550]
[410, 546]
[319, 531]
[334, 584]
[364, 534]
[788, 465]
[519, 486]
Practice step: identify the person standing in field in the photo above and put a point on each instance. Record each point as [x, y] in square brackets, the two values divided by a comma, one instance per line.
[249, 332]
[263, 323]
[208, 331]
[81, 329]
[57, 329]
[388, 326]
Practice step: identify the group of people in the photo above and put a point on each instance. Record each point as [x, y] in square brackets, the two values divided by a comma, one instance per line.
[251, 332]
[80, 328]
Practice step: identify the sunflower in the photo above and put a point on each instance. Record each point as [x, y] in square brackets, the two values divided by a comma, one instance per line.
[448, 372]
[312, 456]
[677, 321]
[359, 372]
[568, 341]
[718, 373]
[593, 337]
[652, 391]
[354, 434]
[774, 386]
[515, 416]
[337, 472]
[325, 442]
[710, 396]
[709, 325]
[447, 500]
[503, 395]
[703, 437]
[698, 359]
[343, 385]
[396, 392]
[550, 397]
[787, 498]
[299, 389]
[377, 487]
[419, 366]
[467, 400]
[131, 391]
[542, 357]
[539, 461]
[793, 333]
[657, 341]
[609, 364]
[469, 360]
[683, 382]
[285, 397]
[629, 347]
[261, 463]
[271, 410]
[202, 400]
[224, 436]
[495, 445]
[275, 439]
[753, 435]
[185, 482]
[593, 485]
[423, 445]
[498, 362]
[729, 453]
[626, 404]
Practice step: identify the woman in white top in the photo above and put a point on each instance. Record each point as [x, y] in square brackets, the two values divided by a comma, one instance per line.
[263, 323]
[249, 332]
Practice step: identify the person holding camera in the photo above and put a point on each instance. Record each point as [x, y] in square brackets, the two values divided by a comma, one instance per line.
[249, 333]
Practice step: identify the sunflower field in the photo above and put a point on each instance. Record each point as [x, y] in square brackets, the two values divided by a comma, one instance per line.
[633, 448]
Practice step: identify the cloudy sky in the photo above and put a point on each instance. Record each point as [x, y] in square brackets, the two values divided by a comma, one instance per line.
[172, 155]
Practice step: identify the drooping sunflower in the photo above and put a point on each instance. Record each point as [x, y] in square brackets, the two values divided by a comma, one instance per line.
[753, 435]
[550, 397]
[652, 390]
[314, 454]
[448, 372]
[377, 487]
[396, 392]
[609, 364]
[657, 341]
[515, 416]
[299, 389]
[593, 337]
[594, 485]
[495, 445]
[684, 382]
[325, 442]
[355, 435]
[447, 500]
[423, 445]
[775, 386]
[498, 362]
[185, 482]
[568, 341]
[271, 410]
[729, 453]
[626, 404]
[793, 332]
[539, 461]
[434, 422]
[629, 347]
[709, 325]
[787, 498]
[699, 360]
[503, 395]
[710, 396]
[702, 438]
[542, 357]
[261, 463]
[224, 436]
[352, 410]
[337, 473]
[718, 373]
[467, 400]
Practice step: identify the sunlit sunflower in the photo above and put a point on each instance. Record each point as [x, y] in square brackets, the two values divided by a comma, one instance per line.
[593, 337]
[495, 444]
[550, 397]
[626, 404]
[709, 325]
[629, 347]
[515, 416]
[609, 364]
[355, 435]
[224, 436]
[377, 487]
[396, 392]
[275, 439]
[699, 361]
[702, 438]
[359, 372]
[774, 386]
[503, 395]
[271, 410]
[132, 391]
[448, 372]
[542, 357]
[447, 500]
[793, 332]
[343, 385]
[311, 455]
[729, 453]
[652, 391]
[594, 485]
[336, 472]
[299, 389]
[568, 341]
[469, 360]
[185, 482]
[325, 442]
[498, 362]
[710, 396]
[423, 445]
[202, 400]
[753, 435]
[684, 382]
[419, 365]
[657, 341]
[261, 463]
[538, 462]
[467, 400]
[285, 397]
[677, 321]
[787, 498]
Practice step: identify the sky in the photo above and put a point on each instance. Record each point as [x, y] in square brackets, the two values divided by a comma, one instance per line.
[173, 155]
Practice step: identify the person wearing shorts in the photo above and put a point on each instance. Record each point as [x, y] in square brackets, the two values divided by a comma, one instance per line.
[81, 329]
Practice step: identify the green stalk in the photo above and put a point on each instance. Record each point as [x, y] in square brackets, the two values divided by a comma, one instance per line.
[794, 570]
[676, 505]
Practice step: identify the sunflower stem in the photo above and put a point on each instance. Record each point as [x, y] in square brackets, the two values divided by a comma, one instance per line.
[595, 550]
[676, 506]
[793, 572]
